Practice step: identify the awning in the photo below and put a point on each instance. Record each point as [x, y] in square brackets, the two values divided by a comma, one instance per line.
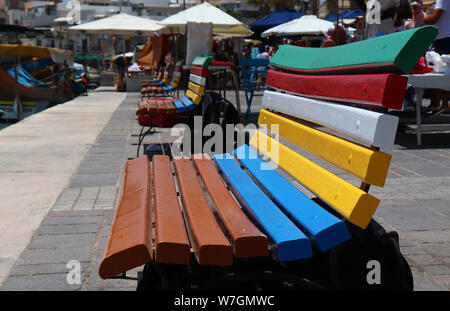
[223, 23]
[274, 19]
[121, 25]
[308, 24]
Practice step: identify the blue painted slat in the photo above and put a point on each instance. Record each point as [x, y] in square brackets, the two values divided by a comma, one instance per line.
[179, 105]
[324, 229]
[188, 103]
[291, 243]
[254, 62]
[160, 84]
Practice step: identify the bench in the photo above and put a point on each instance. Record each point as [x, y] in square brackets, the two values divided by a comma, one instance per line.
[168, 111]
[289, 208]
[253, 70]
[218, 217]
[150, 88]
[158, 76]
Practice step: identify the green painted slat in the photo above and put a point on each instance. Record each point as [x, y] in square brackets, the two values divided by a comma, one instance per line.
[202, 61]
[397, 52]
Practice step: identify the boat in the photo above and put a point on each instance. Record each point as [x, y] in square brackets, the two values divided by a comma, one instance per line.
[393, 53]
[33, 78]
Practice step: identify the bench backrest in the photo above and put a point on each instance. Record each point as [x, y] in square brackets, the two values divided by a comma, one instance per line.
[286, 114]
[176, 76]
[197, 79]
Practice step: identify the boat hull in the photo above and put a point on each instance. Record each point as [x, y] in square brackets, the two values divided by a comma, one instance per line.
[8, 89]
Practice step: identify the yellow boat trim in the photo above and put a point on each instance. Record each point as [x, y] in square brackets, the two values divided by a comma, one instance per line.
[368, 165]
[353, 203]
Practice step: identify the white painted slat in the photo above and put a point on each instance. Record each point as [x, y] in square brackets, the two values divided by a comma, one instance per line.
[375, 128]
[177, 74]
[197, 79]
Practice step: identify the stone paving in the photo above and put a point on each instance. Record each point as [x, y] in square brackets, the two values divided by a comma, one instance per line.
[414, 202]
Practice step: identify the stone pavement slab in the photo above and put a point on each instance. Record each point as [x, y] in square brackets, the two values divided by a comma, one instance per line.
[38, 157]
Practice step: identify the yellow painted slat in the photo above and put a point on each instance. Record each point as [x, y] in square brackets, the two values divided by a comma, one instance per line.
[353, 203]
[196, 99]
[368, 165]
[196, 88]
[175, 81]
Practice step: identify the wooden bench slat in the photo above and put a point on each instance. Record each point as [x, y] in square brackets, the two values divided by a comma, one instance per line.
[202, 61]
[375, 128]
[368, 165]
[195, 98]
[197, 79]
[198, 89]
[355, 204]
[378, 90]
[291, 243]
[179, 105]
[325, 230]
[199, 71]
[395, 52]
[172, 243]
[246, 239]
[160, 106]
[210, 245]
[130, 240]
[187, 103]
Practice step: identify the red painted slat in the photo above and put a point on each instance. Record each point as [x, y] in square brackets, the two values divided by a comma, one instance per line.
[378, 90]
[200, 71]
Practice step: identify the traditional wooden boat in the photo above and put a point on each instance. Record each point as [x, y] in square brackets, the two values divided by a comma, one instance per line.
[18, 84]
[393, 53]
[13, 55]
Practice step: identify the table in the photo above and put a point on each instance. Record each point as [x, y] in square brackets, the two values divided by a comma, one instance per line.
[134, 79]
[426, 81]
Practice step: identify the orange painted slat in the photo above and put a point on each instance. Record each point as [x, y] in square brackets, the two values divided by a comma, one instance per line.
[247, 240]
[172, 244]
[210, 245]
[130, 239]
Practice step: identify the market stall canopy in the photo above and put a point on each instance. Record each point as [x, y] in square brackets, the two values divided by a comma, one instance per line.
[274, 19]
[307, 24]
[121, 25]
[347, 15]
[223, 23]
[58, 56]
[154, 51]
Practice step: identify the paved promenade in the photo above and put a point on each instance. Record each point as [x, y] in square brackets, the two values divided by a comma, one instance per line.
[60, 180]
